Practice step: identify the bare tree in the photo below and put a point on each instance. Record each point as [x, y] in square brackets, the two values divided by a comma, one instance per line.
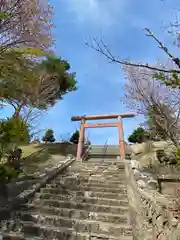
[144, 92]
[32, 117]
[65, 137]
[101, 47]
[172, 28]
[25, 23]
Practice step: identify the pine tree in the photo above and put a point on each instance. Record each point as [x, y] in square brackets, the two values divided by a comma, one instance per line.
[75, 137]
[138, 136]
[49, 136]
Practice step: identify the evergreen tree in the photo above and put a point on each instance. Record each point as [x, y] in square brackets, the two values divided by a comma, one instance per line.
[75, 137]
[49, 136]
[138, 136]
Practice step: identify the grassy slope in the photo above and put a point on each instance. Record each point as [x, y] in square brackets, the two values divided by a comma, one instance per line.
[30, 149]
[54, 148]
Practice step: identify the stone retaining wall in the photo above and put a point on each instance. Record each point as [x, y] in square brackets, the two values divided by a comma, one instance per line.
[153, 215]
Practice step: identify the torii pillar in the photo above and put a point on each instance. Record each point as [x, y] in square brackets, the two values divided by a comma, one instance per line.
[121, 137]
[81, 140]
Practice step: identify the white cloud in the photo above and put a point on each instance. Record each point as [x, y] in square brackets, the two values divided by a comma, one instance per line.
[99, 12]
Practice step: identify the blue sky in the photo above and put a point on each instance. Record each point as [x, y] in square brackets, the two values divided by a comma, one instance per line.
[100, 84]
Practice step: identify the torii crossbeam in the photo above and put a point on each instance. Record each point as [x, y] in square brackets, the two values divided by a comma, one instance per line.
[118, 124]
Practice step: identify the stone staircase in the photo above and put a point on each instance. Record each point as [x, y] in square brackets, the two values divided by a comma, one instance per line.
[87, 201]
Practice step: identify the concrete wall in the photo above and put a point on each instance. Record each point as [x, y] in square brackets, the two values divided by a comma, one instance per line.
[153, 215]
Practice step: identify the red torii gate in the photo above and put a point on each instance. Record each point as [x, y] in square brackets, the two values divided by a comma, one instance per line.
[118, 124]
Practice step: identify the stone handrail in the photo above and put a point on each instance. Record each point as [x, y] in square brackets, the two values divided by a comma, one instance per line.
[152, 214]
[26, 194]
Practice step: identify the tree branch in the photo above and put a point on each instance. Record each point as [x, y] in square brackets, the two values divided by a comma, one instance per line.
[101, 47]
[165, 49]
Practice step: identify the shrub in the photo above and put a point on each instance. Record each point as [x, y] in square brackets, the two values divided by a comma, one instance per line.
[7, 173]
[178, 155]
[13, 131]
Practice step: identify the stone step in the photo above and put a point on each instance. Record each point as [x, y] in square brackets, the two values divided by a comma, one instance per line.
[87, 199]
[81, 206]
[86, 188]
[81, 226]
[68, 184]
[98, 162]
[121, 195]
[90, 180]
[97, 170]
[98, 155]
[14, 236]
[72, 214]
[96, 173]
[90, 163]
[100, 177]
[97, 167]
[86, 171]
[47, 231]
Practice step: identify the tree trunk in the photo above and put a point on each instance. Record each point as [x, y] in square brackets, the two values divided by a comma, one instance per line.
[18, 110]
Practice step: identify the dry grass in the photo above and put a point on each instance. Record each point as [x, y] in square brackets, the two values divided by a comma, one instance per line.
[45, 155]
[30, 149]
[52, 148]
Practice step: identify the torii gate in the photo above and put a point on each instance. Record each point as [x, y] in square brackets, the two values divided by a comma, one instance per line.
[118, 124]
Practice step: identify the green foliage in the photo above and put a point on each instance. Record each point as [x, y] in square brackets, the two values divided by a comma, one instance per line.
[57, 69]
[4, 16]
[7, 173]
[13, 131]
[34, 84]
[172, 80]
[75, 137]
[13, 65]
[138, 136]
[49, 136]
[30, 51]
[178, 155]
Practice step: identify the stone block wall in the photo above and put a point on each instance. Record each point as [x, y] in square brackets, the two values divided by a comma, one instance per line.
[153, 215]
